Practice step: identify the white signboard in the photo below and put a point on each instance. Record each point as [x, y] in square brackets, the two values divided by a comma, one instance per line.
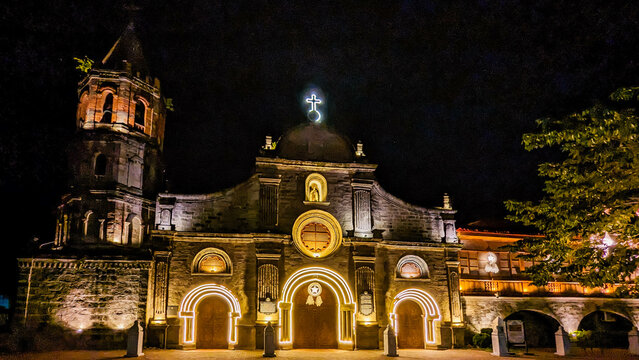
[515, 331]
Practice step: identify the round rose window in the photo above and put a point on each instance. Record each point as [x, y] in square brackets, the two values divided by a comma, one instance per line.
[317, 234]
[315, 237]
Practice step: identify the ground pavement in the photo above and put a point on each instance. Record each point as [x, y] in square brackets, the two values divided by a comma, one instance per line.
[154, 354]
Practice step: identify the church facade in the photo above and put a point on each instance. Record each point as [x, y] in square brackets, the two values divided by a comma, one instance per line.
[310, 244]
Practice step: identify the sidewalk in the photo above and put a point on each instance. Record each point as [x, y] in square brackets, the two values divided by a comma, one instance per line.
[154, 354]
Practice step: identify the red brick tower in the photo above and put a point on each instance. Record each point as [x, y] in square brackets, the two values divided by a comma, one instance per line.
[114, 159]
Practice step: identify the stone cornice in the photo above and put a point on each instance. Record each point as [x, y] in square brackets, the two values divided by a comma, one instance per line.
[42, 263]
[190, 236]
[418, 245]
[314, 165]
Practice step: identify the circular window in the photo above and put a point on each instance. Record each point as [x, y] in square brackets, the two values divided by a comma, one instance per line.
[410, 270]
[317, 233]
[212, 264]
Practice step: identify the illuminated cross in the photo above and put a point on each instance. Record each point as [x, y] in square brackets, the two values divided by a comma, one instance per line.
[313, 100]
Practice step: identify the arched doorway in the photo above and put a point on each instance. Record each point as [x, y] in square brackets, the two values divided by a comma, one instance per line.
[330, 281]
[410, 325]
[415, 308]
[314, 318]
[539, 328]
[208, 294]
[212, 323]
[604, 329]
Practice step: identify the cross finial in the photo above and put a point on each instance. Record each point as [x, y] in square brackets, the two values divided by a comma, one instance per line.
[313, 113]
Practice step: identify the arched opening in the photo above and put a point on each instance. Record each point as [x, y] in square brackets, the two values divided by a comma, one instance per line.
[100, 165]
[133, 230]
[303, 284]
[107, 109]
[426, 318]
[314, 317]
[91, 225]
[410, 325]
[140, 112]
[539, 328]
[604, 329]
[212, 323]
[190, 306]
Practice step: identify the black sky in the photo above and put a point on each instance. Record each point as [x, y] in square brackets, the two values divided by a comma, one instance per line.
[439, 92]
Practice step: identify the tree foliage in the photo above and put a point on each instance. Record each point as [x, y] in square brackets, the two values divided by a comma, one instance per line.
[593, 190]
[84, 65]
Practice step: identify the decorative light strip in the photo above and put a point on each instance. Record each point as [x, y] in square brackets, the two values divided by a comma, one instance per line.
[429, 307]
[327, 277]
[192, 299]
[331, 275]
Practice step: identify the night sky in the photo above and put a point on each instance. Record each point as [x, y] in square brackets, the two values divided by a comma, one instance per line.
[439, 92]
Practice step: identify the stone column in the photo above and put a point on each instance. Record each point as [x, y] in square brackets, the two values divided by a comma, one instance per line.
[269, 189]
[157, 329]
[160, 286]
[362, 219]
[285, 326]
[454, 297]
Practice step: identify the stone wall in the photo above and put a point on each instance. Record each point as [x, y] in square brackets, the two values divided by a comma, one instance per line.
[237, 209]
[482, 311]
[81, 295]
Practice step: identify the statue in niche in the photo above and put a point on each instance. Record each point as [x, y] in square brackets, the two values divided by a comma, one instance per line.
[313, 194]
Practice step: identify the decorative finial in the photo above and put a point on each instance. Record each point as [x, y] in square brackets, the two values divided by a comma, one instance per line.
[314, 114]
[447, 205]
[268, 143]
[360, 149]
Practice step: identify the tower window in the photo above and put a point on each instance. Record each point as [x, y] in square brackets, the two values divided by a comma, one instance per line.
[100, 165]
[107, 109]
[140, 111]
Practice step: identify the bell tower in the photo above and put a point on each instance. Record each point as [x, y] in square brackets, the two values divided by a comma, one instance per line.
[115, 157]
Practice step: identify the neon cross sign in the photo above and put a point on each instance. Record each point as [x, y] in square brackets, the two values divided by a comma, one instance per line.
[313, 114]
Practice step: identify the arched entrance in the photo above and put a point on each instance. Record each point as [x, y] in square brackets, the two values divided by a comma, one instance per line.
[212, 323]
[539, 328]
[206, 302]
[410, 325]
[604, 329]
[329, 281]
[415, 308]
[314, 318]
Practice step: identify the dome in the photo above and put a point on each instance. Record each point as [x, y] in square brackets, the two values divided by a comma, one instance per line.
[315, 143]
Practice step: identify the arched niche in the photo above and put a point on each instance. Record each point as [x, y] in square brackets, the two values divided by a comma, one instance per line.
[316, 189]
[212, 261]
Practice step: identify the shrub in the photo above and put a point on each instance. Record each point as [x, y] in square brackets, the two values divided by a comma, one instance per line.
[482, 340]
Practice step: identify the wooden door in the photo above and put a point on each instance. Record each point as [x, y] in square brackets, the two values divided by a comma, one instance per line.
[212, 323]
[410, 332]
[314, 327]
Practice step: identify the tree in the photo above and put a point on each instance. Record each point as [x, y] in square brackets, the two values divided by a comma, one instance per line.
[589, 213]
